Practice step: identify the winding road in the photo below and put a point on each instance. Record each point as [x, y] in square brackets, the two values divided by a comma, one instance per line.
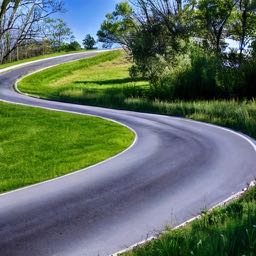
[175, 168]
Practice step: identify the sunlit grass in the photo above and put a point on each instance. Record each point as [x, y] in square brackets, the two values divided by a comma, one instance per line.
[37, 145]
[102, 80]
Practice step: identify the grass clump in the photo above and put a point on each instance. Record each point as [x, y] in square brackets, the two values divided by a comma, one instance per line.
[37, 145]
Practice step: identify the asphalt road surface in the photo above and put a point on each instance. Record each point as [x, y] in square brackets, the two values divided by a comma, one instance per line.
[175, 168]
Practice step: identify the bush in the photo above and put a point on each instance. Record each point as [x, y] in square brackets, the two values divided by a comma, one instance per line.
[203, 75]
[73, 46]
[193, 76]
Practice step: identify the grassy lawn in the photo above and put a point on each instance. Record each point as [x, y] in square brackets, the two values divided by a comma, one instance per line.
[37, 145]
[104, 81]
[41, 57]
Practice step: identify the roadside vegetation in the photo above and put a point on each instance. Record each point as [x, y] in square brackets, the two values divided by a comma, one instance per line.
[37, 145]
[228, 230]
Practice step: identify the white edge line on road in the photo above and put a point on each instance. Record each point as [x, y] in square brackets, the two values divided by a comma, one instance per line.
[71, 112]
[81, 170]
[235, 196]
[51, 58]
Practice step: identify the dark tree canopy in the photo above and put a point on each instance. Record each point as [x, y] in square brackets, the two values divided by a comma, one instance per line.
[89, 42]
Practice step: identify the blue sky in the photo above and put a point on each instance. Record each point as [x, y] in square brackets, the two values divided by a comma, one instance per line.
[85, 16]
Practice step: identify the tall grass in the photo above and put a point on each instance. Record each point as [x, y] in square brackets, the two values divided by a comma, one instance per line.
[240, 116]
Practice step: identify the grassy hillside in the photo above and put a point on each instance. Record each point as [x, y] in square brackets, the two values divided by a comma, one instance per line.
[37, 145]
[102, 80]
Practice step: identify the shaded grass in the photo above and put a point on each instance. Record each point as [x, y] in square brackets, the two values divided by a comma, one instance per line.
[229, 230]
[37, 145]
[41, 57]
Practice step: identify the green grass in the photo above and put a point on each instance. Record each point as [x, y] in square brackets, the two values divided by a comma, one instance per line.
[104, 81]
[37, 145]
[41, 57]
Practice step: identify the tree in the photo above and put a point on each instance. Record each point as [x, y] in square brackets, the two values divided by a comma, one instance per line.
[57, 31]
[20, 20]
[243, 28]
[119, 26]
[72, 46]
[213, 16]
[89, 42]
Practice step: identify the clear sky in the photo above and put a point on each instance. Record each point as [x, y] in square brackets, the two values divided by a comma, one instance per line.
[85, 16]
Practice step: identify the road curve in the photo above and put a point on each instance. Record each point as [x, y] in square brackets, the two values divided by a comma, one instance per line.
[176, 168]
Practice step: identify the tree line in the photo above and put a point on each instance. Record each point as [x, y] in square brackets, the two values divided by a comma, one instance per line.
[27, 29]
[188, 49]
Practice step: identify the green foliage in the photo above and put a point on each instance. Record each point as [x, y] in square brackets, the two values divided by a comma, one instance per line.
[89, 42]
[71, 47]
[199, 80]
[181, 46]
[213, 16]
[118, 25]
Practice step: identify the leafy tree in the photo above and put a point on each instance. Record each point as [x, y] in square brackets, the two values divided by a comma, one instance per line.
[119, 26]
[57, 31]
[89, 42]
[20, 21]
[213, 16]
[242, 27]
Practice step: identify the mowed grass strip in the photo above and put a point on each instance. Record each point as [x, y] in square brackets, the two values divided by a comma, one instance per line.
[38, 145]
